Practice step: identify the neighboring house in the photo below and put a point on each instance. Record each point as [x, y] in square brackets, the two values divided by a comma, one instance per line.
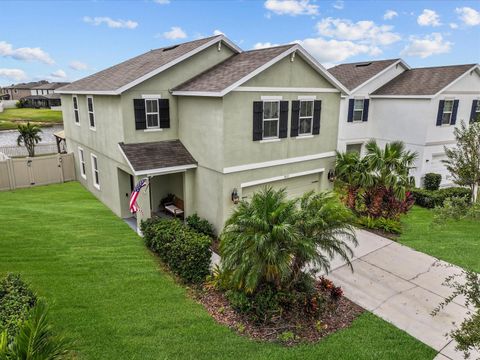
[18, 91]
[206, 122]
[389, 101]
[43, 96]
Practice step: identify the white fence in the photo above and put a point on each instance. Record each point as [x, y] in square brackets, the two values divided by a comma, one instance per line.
[9, 104]
[21, 151]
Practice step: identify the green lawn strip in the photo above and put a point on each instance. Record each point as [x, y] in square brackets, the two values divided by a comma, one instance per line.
[7, 125]
[457, 242]
[10, 116]
[109, 293]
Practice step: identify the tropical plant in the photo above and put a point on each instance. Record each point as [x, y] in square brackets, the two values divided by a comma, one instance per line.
[463, 161]
[29, 137]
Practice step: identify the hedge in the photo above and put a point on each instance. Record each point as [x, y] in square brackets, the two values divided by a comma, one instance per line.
[432, 181]
[185, 251]
[432, 198]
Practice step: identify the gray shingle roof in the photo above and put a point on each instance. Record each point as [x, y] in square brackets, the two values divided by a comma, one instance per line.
[423, 81]
[157, 155]
[231, 70]
[130, 70]
[50, 86]
[354, 74]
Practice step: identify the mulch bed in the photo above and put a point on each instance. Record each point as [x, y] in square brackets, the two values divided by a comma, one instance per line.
[339, 315]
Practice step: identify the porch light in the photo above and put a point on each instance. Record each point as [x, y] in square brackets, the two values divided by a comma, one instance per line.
[235, 197]
[331, 175]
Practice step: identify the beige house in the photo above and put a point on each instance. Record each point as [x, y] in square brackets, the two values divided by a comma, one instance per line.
[205, 121]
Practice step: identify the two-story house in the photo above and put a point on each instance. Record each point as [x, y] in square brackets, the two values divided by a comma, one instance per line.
[390, 101]
[205, 121]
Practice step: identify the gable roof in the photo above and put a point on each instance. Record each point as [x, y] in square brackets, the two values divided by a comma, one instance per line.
[50, 86]
[236, 70]
[118, 78]
[427, 81]
[26, 86]
[353, 75]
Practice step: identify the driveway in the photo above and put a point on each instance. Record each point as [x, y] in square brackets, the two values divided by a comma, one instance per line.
[402, 286]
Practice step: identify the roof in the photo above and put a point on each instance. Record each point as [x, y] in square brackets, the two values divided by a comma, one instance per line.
[39, 97]
[59, 134]
[118, 78]
[157, 157]
[239, 68]
[26, 86]
[50, 86]
[423, 81]
[352, 75]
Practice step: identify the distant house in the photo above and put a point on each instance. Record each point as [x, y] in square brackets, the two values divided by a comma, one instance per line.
[20, 90]
[43, 96]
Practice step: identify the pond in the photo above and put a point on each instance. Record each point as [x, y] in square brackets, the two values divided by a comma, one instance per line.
[9, 137]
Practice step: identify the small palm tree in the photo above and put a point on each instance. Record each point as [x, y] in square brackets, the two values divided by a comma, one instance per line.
[29, 137]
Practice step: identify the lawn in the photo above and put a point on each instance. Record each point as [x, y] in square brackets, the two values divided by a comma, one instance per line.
[10, 117]
[109, 293]
[457, 242]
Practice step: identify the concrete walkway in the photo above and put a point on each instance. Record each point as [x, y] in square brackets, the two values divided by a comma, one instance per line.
[402, 286]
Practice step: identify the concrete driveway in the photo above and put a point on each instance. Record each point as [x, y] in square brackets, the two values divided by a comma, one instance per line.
[402, 286]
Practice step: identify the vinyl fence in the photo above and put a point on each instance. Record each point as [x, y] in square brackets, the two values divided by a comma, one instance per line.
[43, 170]
[21, 151]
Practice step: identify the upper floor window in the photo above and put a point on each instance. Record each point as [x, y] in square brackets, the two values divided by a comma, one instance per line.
[151, 111]
[75, 109]
[447, 112]
[81, 160]
[305, 117]
[271, 117]
[95, 172]
[358, 110]
[477, 111]
[91, 113]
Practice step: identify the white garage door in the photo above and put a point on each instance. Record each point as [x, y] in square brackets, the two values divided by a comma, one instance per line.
[296, 186]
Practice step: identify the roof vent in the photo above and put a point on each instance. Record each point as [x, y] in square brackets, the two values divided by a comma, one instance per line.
[170, 48]
[363, 64]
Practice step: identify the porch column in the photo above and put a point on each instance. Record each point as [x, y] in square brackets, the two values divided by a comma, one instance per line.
[188, 192]
[143, 202]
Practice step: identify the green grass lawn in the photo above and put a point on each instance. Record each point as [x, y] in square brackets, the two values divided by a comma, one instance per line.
[108, 292]
[10, 117]
[457, 242]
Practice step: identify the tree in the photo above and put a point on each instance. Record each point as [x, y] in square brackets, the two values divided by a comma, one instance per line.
[270, 239]
[29, 137]
[464, 160]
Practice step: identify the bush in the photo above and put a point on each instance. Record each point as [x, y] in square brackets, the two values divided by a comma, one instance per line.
[388, 225]
[19, 104]
[186, 252]
[200, 225]
[474, 212]
[430, 199]
[454, 208]
[432, 181]
[16, 300]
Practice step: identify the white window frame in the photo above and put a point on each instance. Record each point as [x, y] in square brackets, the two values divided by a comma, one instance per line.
[477, 108]
[305, 117]
[83, 164]
[271, 119]
[448, 112]
[91, 113]
[76, 112]
[152, 113]
[354, 109]
[95, 171]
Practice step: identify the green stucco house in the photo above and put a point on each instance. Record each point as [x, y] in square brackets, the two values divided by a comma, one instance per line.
[205, 121]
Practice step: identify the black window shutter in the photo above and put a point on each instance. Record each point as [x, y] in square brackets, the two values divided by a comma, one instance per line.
[317, 110]
[140, 116]
[473, 113]
[257, 120]
[441, 104]
[164, 112]
[454, 112]
[351, 102]
[283, 126]
[366, 104]
[295, 118]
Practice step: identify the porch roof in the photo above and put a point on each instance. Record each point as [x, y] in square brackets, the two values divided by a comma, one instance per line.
[157, 157]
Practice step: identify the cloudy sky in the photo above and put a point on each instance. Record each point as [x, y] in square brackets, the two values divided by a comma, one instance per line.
[67, 40]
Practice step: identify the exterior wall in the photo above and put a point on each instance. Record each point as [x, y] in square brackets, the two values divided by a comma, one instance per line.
[17, 94]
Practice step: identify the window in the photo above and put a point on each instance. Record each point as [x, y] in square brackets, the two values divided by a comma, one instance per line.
[75, 109]
[358, 110]
[91, 114]
[271, 116]
[447, 112]
[81, 159]
[477, 111]
[95, 173]
[151, 110]
[305, 118]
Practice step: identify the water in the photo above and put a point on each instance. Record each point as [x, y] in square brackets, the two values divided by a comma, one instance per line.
[9, 137]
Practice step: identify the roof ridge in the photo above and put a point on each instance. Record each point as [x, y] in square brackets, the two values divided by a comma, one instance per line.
[271, 47]
[443, 66]
[366, 61]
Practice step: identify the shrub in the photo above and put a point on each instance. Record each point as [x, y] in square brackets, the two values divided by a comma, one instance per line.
[388, 225]
[200, 225]
[19, 104]
[186, 252]
[432, 181]
[474, 212]
[430, 199]
[454, 208]
[16, 300]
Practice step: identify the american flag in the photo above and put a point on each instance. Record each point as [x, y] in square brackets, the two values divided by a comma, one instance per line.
[133, 198]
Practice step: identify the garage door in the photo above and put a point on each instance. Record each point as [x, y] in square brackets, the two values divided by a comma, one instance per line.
[296, 186]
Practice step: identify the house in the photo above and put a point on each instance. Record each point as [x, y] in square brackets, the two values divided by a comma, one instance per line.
[390, 101]
[205, 121]
[18, 91]
[44, 96]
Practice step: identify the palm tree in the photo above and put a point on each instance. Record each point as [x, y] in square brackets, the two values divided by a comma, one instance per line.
[29, 136]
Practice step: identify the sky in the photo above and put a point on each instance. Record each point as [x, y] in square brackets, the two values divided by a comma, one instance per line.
[68, 40]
